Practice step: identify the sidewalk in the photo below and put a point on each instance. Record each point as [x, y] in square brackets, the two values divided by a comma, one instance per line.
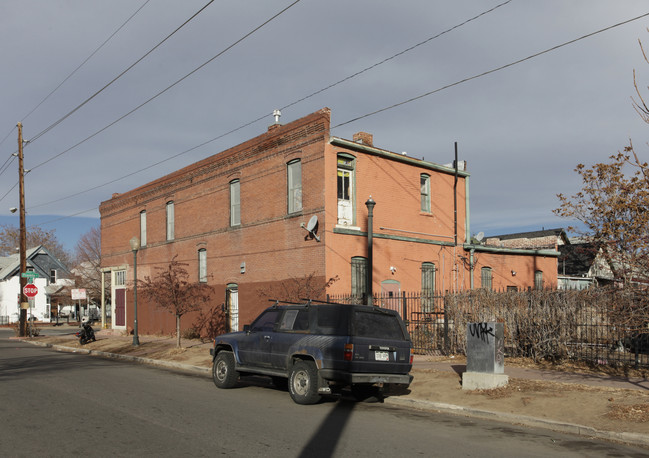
[590, 404]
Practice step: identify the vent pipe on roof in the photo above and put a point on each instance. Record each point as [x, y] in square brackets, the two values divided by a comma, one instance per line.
[277, 115]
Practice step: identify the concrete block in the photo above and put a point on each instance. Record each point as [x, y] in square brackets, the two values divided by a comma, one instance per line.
[483, 381]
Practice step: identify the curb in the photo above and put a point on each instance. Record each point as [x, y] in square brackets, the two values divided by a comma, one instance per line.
[570, 428]
[418, 404]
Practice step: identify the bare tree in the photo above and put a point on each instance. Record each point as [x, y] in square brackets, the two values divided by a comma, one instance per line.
[88, 263]
[10, 241]
[295, 289]
[171, 290]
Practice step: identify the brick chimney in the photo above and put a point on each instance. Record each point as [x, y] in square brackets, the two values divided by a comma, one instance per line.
[364, 138]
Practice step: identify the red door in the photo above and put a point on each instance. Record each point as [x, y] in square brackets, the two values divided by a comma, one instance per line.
[120, 307]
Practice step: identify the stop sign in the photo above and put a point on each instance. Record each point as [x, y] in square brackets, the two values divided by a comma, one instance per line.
[30, 290]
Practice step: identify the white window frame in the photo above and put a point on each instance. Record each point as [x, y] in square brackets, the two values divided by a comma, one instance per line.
[294, 182]
[345, 183]
[170, 220]
[424, 188]
[143, 228]
[202, 265]
[235, 203]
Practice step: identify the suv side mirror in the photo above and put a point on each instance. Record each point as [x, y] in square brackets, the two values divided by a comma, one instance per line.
[246, 328]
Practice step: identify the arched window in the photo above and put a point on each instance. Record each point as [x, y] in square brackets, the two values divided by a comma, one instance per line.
[143, 228]
[235, 203]
[294, 182]
[486, 277]
[345, 187]
[427, 286]
[170, 220]
[359, 277]
[202, 265]
[424, 181]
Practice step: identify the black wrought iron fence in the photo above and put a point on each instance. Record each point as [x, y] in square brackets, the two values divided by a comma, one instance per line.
[602, 326]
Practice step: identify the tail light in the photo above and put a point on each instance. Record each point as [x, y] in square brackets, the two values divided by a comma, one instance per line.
[348, 355]
[412, 356]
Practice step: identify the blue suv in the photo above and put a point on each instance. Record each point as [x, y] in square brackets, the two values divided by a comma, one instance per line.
[319, 348]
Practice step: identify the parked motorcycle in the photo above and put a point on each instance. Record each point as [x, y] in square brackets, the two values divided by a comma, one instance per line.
[86, 333]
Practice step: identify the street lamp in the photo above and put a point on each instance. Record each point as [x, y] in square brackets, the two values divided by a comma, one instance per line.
[135, 245]
[370, 203]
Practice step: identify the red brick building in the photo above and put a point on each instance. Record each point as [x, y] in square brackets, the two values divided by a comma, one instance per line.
[240, 219]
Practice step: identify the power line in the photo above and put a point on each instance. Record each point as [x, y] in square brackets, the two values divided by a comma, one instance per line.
[86, 60]
[170, 86]
[397, 54]
[287, 106]
[494, 70]
[377, 111]
[78, 68]
[63, 118]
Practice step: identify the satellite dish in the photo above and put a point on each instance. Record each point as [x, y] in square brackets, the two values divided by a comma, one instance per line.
[480, 236]
[312, 228]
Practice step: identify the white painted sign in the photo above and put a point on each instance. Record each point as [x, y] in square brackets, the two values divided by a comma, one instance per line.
[78, 294]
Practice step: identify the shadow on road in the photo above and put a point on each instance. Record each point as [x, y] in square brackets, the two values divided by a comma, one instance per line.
[325, 439]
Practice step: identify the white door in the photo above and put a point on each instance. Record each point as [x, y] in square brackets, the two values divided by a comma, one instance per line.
[233, 308]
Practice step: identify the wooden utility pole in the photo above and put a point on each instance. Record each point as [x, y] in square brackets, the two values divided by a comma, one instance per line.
[24, 303]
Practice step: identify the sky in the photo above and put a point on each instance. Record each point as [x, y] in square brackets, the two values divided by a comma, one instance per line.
[104, 110]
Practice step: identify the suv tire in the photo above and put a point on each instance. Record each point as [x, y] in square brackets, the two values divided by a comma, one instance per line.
[303, 383]
[223, 371]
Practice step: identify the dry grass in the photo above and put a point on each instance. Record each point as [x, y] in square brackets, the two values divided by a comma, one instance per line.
[638, 413]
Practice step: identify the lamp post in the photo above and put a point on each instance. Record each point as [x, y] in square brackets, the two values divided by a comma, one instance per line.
[370, 229]
[135, 246]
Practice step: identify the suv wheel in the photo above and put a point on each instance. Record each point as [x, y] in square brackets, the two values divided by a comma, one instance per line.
[303, 383]
[223, 372]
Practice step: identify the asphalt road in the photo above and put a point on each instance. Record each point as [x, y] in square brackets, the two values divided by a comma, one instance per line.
[63, 404]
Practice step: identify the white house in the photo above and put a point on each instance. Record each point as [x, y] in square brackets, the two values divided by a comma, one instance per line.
[52, 277]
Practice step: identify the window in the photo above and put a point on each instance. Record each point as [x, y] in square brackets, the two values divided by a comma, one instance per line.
[294, 172]
[235, 203]
[120, 277]
[427, 286]
[345, 186]
[170, 220]
[52, 275]
[202, 265]
[486, 278]
[359, 277]
[143, 228]
[538, 279]
[266, 321]
[295, 320]
[424, 181]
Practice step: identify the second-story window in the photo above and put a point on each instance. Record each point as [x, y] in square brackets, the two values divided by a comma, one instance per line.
[235, 203]
[202, 265]
[52, 275]
[170, 220]
[294, 172]
[424, 181]
[143, 228]
[345, 186]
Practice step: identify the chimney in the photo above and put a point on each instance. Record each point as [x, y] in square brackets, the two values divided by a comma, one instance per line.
[276, 114]
[364, 138]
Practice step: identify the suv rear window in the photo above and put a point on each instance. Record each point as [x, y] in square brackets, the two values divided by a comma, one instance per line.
[333, 320]
[377, 325]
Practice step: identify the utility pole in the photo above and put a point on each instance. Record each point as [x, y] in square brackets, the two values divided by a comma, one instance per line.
[24, 303]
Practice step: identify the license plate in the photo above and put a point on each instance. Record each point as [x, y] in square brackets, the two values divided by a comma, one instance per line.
[381, 356]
